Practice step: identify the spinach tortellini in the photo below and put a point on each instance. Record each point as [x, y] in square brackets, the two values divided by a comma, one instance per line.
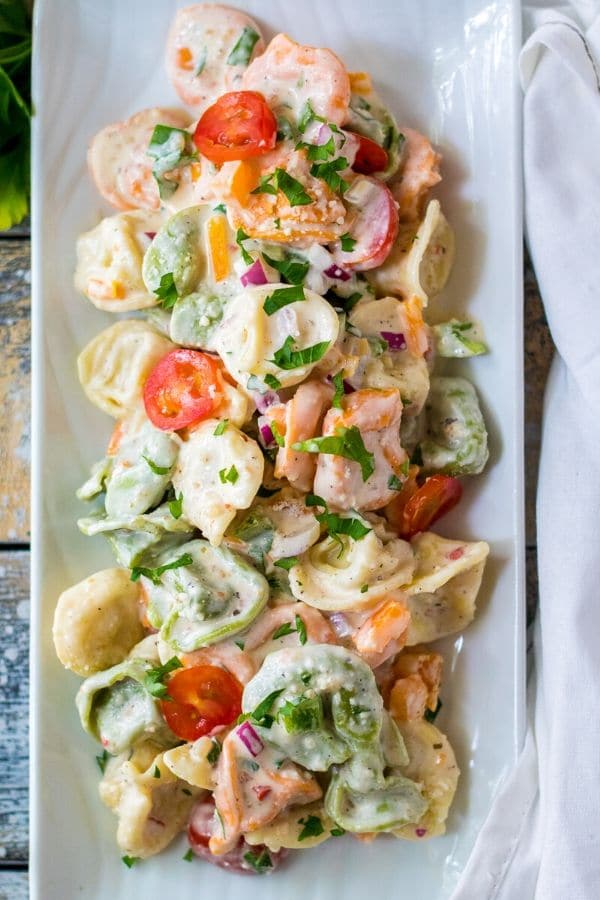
[177, 251]
[396, 803]
[456, 437]
[457, 339]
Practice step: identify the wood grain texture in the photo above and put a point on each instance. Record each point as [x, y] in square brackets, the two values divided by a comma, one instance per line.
[15, 366]
[14, 692]
[14, 885]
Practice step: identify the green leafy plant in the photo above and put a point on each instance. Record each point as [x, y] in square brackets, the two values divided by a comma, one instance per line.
[15, 111]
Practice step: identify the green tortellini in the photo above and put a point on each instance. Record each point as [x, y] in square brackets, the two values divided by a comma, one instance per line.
[117, 710]
[371, 118]
[196, 318]
[326, 704]
[396, 803]
[459, 339]
[177, 250]
[213, 594]
[138, 538]
[456, 436]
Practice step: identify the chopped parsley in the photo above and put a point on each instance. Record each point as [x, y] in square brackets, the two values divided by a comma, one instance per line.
[272, 382]
[335, 524]
[346, 442]
[230, 475]
[364, 588]
[242, 50]
[169, 147]
[220, 207]
[394, 483]
[329, 173]
[287, 628]
[305, 677]
[286, 563]
[166, 291]
[262, 714]
[214, 752]
[240, 237]
[301, 629]
[282, 297]
[345, 303]
[221, 427]
[285, 129]
[431, 715]
[287, 357]
[338, 383]
[348, 243]
[156, 773]
[313, 827]
[259, 861]
[130, 861]
[266, 185]
[158, 470]
[189, 855]
[316, 152]
[282, 631]
[280, 180]
[102, 760]
[302, 715]
[291, 268]
[155, 574]
[308, 115]
[337, 831]
[176, 506]
[154, 680]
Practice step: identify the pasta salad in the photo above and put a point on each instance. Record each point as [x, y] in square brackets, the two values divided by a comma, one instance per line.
[257, 669]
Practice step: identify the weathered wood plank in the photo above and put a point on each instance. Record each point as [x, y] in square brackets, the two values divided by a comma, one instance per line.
[15, 335]
[14, 691]
[14, 885]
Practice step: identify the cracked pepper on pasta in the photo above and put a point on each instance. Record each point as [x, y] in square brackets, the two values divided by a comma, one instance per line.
[257, 669]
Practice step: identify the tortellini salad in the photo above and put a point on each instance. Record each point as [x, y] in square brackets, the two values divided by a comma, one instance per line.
[257, 665]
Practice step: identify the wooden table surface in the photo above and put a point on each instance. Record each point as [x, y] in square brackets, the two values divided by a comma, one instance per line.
[14, 529]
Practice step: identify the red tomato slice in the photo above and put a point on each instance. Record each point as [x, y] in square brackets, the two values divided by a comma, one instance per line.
[239, 125]
[202, 697]
[437, 496]
[183, 387]
[374, 229]
[370, 157]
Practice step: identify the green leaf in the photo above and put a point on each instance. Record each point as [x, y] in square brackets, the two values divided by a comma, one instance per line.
[337, 832]
[346, 303]
[155, 574]
[293, 189]
[166, 291]
[335, 524]
[346, 442]
[289, 358]
[242, 51]
[338, 383]
[158, 470]
[285, 129]
[156, 773]
[431, 715]
[189, 855]
[220, 208]
[364, 588]
[102, 760]
[315, 500]
[259, 861]
[221, 427]
[261, 714]
[313, 827]
[154, 678]
[282, 297]
[316, 152]
[348, 243]
[169, 147]
[291, 268]
[130, 861]
[266, 185]
[308, 115]
[230, 475]
[282, 631]
[302, 715]
[329, 173]
[272, 382]
[214, 752]
[287, 563]
[394, 483]
[241, 236]
[176, 506]
[301, 629]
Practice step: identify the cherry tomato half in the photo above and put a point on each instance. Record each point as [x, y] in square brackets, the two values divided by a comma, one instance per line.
[183, 387]
[436, 496]
[374, 229]
[371, 157]
[237, 126]
[202, 697]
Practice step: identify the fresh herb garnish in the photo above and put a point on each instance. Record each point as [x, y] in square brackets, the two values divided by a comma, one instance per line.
[166, 291]
[291, 268]
[338, 383]
[364, 588]
[305, 677]
[220, 207]
[176, 506]
[189, 855]
[230, 475]
[308, 115]
[241, 236]
[102, 760]
[156, 773]
[130, 860]
[301, 629]
[329, 173]
[280, 180]
[266, 185]
[282, 631]
[242, 51]
[201, 61]
[286, 563]
[337, 831]
[259, 861]
[458, 329]
[335, 524]
[158, 470]
[272, 382]
[345, 303]
[313, 827]
[346, 442]
[169, 147]
[431, 714]
[285, 129]
[316, 152]
[239, 644]
[277, 223]
[214, 752]
[261, 715]
[301, 715]
[154, 574]
[154, 678]
[348, 243]
[282, 297]
[287, 357]
[221, 427]
[394, 483]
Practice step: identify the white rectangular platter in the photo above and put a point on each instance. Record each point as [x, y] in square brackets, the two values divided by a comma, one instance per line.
[448, 69]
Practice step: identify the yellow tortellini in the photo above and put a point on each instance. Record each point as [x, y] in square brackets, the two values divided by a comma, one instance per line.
[217, 474]
[248, 338]
[109, 261]
[114, 366]
[152, 808]
[441, 596]
[97, 622]
[189, 763]
[284, 830]
[408, 373]
[419, 264]
[343, 573]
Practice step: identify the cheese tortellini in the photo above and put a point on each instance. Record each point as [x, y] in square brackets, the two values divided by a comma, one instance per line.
[217, 474]
[114, 366]
[109, 261]
[97, 622]
[248, 339]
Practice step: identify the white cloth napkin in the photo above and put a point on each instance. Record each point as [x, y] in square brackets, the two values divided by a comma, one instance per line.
[541, 840]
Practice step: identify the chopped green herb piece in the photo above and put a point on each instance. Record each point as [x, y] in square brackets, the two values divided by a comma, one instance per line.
[239, 644]
[291, 268]
[348, 243]
[214, 752]
[287, 357]
[266, 185]
[201, 61]
[154, 678]
[308, 115]
[279, 438]
[346, 442]
[166, 291]
[285, 129]
[337, 831]
[335, 525]
[329, 173]
[221, 428]
[377, 345]
[293, 189]
[272, 382]
[155, 574]
[176, 506]
[130, 860]
[259, 861]
[286, 563]
[315, 500]
[301, 629]
[302, 715]
[156, 773]
[230, 475]
[242, 51]
[431, 715]
[313, 827]
[277, 223]
[169, 148]
[305, 677]
[102, 760]
[189, 855]
[315, 152]
[261, 714]
[240, 237]
[220, 208]
[405, 467]
[282, 297]
[394, 483]
[338, 383]
[158, 470]
[345, 303]
[282, 631]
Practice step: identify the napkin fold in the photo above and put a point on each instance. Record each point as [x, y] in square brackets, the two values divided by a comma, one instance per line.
[541, 840]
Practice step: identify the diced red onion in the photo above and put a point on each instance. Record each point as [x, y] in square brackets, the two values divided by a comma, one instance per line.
[250, 738]
[324, 134]
[395, 339]
[254, 275]
[348, 389]
[266, 432]
[264, 401]
[150, 234]
[340, 625]
[338, 273]
[420, 832]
